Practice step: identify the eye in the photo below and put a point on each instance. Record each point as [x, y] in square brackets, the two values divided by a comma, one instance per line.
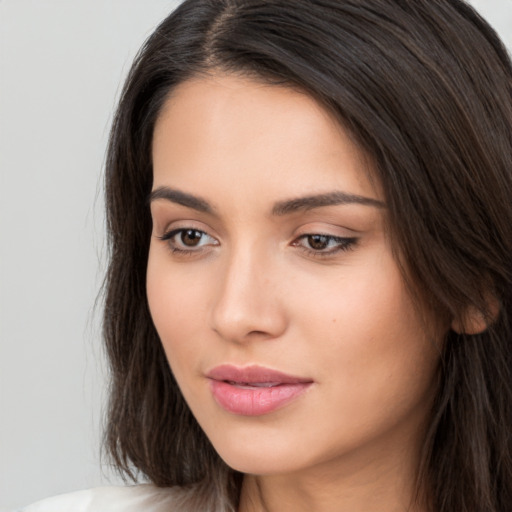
[324, 245]
[187, 240]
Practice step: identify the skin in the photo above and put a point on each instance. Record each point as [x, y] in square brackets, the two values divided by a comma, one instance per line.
[253, 288]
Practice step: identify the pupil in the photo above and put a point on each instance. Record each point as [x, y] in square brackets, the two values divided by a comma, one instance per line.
[191, 237]
[318, 242]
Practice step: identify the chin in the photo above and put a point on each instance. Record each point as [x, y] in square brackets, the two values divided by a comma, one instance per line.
[260, 458]
[260, 464]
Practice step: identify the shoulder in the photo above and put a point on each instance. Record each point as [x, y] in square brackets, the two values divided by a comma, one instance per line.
[135, 498]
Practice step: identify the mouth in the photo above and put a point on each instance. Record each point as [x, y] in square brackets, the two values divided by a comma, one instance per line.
[254, 390]
[253, 385]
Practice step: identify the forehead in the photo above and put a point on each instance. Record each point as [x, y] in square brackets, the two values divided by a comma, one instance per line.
[224, 127]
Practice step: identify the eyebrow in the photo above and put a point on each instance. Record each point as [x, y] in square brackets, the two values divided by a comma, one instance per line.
[280, 208]
[320, 200]
[179, 197]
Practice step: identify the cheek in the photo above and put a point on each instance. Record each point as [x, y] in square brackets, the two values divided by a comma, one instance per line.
[174, 300]
[358, 304]
[370, 339]
[174, 304]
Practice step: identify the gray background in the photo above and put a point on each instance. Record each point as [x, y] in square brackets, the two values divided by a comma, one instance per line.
[61, 65]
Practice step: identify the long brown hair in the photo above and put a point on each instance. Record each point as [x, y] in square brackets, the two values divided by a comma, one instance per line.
[425, 88]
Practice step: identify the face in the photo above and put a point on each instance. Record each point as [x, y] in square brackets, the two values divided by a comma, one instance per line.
[272, 285]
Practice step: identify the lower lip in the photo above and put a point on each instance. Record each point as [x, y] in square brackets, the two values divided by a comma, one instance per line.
[255, 401]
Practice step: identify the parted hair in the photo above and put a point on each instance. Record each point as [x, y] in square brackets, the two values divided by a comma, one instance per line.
[424, 87]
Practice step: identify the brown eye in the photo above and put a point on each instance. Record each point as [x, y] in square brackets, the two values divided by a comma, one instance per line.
[318, 242]
[188, 240]
[191, 237]
[321, 245]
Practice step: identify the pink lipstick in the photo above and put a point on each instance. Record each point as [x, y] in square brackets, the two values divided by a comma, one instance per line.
[254, 390]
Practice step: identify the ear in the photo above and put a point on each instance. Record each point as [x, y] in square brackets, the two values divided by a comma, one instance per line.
[476, 321]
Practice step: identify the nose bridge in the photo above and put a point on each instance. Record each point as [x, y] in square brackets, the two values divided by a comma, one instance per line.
[247, 301]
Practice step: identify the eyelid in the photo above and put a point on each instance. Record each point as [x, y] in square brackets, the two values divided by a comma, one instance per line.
[182, 249]
[343, 244]
[164, 224]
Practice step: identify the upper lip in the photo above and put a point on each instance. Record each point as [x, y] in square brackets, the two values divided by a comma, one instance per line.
[253, 375]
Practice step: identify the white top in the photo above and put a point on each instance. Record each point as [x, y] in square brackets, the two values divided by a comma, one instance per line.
[135, 498]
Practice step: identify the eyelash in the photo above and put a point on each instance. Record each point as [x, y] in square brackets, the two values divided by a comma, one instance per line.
[342, 243]
[169, 236]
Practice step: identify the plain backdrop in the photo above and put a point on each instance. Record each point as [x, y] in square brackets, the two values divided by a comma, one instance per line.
[61, 66]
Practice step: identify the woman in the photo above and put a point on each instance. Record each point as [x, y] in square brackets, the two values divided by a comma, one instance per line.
[308, 301]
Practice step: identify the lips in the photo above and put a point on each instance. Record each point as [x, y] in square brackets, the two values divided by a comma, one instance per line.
[254, 390]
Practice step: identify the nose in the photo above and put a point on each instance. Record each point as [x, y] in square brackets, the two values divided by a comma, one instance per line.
[248, 304]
